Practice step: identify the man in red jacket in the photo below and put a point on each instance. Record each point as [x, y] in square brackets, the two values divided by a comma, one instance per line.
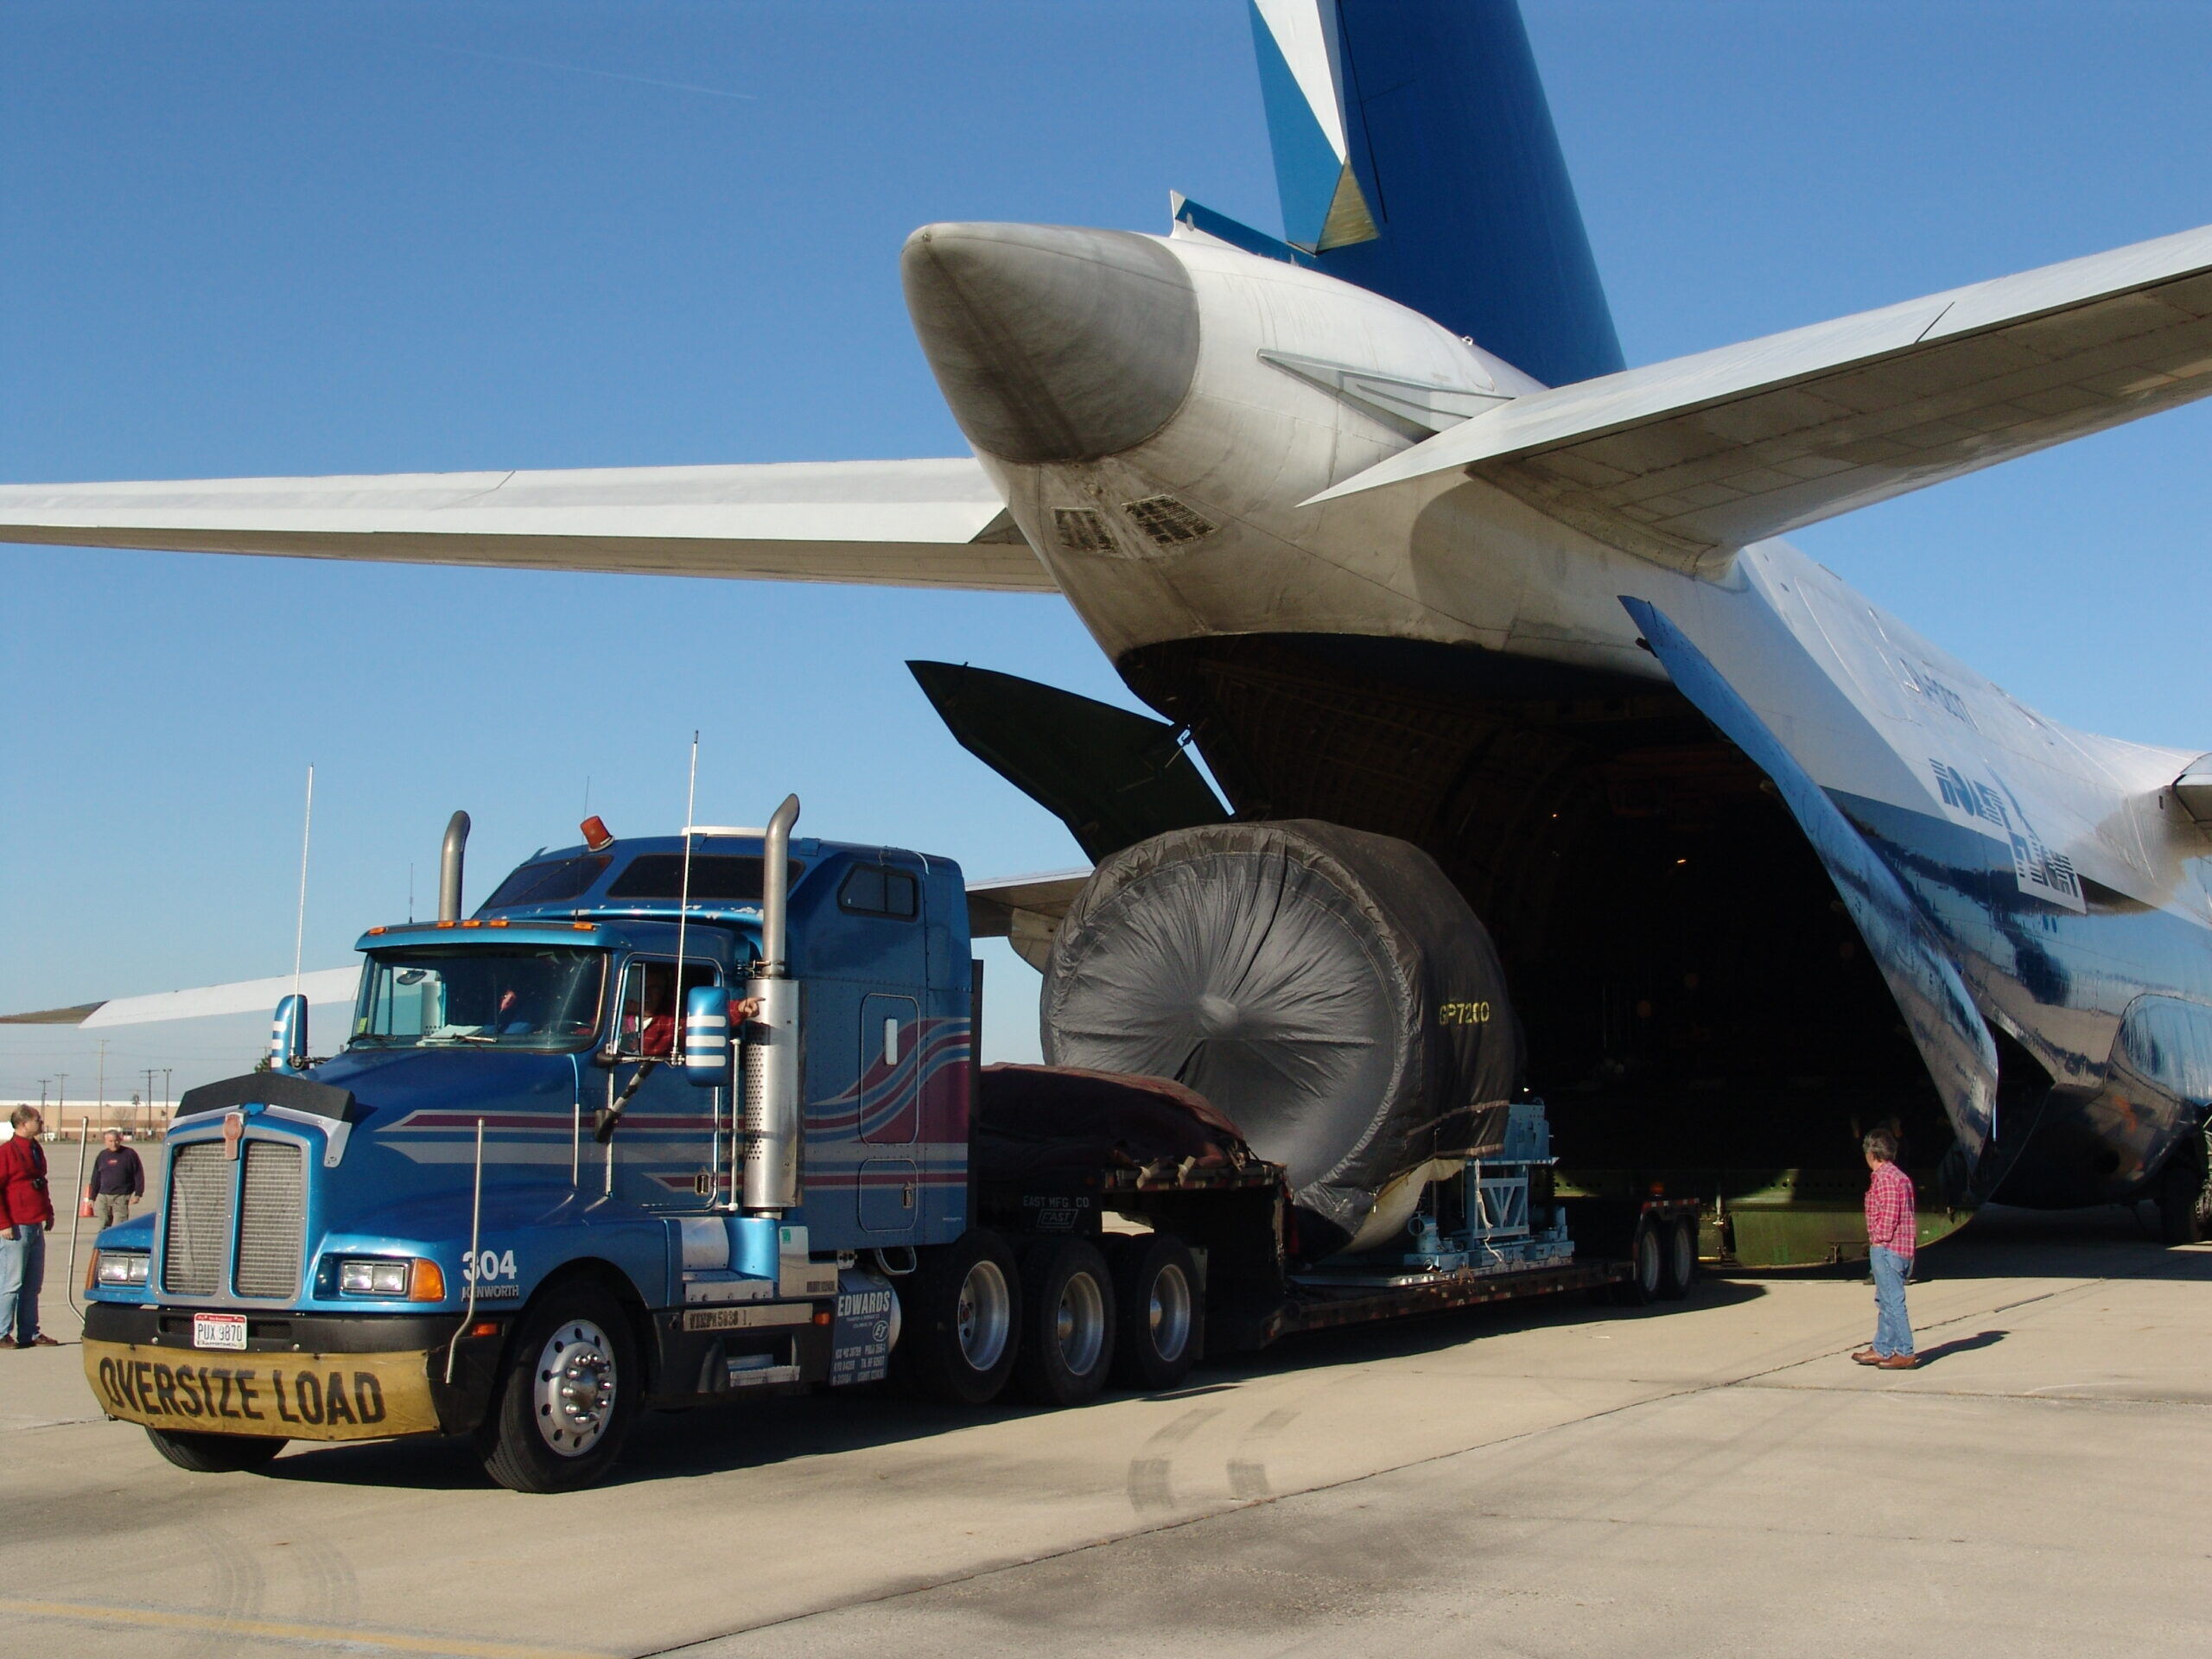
[25, 1218]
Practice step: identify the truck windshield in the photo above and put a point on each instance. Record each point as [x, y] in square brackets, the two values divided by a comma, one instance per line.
[523, 997]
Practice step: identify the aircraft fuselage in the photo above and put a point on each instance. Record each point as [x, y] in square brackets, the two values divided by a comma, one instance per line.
[1453, 666]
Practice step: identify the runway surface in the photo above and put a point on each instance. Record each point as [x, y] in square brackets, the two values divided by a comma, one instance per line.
[1714, 1477]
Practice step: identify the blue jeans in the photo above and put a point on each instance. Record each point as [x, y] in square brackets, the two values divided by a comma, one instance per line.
[22, 1270]
[1892, 1330]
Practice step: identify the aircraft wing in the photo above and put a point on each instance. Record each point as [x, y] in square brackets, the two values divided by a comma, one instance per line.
[1026, 909]
[1679, 461]
[323, 986]
[915, 523]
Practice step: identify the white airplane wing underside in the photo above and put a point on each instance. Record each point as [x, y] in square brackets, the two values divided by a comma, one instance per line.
[1682, 460]
[1025, 908]
[320, 986]
[909, 523]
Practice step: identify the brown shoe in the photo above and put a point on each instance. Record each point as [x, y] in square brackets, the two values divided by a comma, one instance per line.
[1899, 1362]
[39, 1341]
[1867, 1356]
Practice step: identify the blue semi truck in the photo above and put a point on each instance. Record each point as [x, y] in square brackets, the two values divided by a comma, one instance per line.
[688, 1119]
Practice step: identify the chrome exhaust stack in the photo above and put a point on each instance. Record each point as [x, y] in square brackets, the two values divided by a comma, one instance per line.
[450, 863]
[770, 1110]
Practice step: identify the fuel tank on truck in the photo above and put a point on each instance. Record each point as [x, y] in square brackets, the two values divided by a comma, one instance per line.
[1328, 990]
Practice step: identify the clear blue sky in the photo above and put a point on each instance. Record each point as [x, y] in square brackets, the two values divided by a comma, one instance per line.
[277, 239]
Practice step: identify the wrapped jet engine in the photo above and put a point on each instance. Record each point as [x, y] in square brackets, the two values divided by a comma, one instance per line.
[1329, 991]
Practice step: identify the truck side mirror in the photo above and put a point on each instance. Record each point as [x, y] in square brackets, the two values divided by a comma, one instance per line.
[706, 1036]
[288, 1035]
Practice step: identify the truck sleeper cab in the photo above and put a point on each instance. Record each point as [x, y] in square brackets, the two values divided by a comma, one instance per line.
[512, 1205]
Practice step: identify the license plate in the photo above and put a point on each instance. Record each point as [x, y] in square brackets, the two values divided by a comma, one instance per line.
[218, 1330]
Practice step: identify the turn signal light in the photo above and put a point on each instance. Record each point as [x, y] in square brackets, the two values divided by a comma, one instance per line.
[427, 1283]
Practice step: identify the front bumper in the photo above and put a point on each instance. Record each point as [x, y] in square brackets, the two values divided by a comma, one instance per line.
[307, 1377]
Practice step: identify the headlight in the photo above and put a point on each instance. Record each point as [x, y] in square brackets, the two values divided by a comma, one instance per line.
[372, 1278]
[411, 1279]
[124, 1267]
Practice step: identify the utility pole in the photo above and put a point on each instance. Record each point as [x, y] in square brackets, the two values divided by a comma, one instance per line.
[150, 1093]
[167, 1112]
[42, 1081]
[60, 1092]
[100, 1106]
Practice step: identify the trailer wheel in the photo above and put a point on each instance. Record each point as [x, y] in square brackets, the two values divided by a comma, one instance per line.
[215, 1454]
[1067, 1327]
[1678, 1258]
[963, 1311]
[568, 1396]
[1646, 1263]
[1160, 1327]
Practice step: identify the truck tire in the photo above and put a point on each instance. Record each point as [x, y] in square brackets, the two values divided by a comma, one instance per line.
[1067, 1326]
[1646, 1263]
[215, 1454]
[565, 1403]
[1677, 1258]
[962, 1319]
[1160, 1324]
[2180, 1196]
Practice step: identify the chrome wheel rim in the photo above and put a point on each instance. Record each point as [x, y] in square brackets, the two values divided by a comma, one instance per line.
[1685, 1244]
[1647, 1260]
[1168, 1316]
[575, 1390]
[983, 1316]
[1079, 1323]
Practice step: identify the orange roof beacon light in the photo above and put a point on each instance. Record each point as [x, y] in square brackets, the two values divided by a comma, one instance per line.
[597, 837]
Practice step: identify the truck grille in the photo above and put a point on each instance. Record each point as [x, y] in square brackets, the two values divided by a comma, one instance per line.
[199, 1220]
[272, 1224]
[264, 1206]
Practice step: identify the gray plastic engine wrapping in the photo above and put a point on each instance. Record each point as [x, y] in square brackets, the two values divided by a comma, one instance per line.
[1329, 990]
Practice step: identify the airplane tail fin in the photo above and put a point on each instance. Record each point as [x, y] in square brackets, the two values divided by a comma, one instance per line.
[1415, 156]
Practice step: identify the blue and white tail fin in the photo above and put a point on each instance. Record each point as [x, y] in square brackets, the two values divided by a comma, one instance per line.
[1415, 156]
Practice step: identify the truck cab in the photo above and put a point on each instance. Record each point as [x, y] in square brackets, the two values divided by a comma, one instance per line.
[543, 1180]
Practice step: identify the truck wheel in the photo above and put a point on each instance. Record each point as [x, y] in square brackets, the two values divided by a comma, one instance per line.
[567, 1398]
[1160, 1324]
[2180, 1195]
[964, 1307]
[1067, 1328]
[1678, 1258]
[215, 1454]
[1646, 1268]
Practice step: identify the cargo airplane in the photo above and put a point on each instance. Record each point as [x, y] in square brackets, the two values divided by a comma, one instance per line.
[1375, 518]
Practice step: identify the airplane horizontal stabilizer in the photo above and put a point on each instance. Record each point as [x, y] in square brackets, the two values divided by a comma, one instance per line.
[908, 524]
[1681, 460]
[1938, 1010]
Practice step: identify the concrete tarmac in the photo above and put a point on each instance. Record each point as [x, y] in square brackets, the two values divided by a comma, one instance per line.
[1714, 1477]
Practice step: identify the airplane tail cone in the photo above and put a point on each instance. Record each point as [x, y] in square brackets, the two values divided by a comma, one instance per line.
[1052, 344]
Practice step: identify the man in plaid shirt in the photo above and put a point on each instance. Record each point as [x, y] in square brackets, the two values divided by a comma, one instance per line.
[1891, 1232]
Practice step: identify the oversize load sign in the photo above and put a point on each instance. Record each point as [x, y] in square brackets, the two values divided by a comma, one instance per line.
[296, 1396]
